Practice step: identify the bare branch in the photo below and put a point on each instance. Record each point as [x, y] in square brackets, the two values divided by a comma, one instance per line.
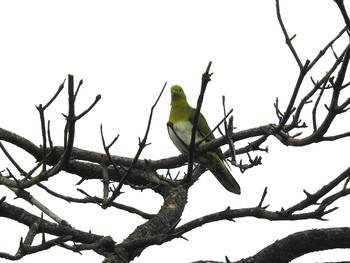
[205, 80]
[324, 50]
[216, 127]
[142, 145]
[30, 199]
[344, 13]
[96, 200]
[263, 198]
[12, 160]
[301, 243]
[289, 110]
[287, 38]
[312, 199]
[98, 97]
[41, 110]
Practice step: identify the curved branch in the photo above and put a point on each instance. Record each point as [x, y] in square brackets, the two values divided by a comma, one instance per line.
[301, 243]
[162, 223]
[298, 244]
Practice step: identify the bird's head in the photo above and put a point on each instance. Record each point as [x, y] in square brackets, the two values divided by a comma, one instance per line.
[177, 94]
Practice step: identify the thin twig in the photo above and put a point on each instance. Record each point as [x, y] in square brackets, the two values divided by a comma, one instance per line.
[290, 109]
[314, 110]
[321, 84]
[229, 131]
[8, 155]
[263, 197]
[95, 200]
[60, 88]
[215, 128]
[78, 88]
[324, 50]
[106, 149]
[98, 97]
[287, 38]
[312, 199]
[142, 145]
[49, 135]
[41, 110]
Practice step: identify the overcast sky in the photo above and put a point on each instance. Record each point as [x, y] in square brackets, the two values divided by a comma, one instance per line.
[126, 51]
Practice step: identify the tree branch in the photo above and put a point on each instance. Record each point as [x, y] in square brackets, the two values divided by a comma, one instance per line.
[142, 145]
[301, 243]
[287, 38]
[205, 80]
[298, 244]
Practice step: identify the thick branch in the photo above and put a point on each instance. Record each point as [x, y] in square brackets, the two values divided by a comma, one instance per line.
[22, 216]
[301, 243]
[298, 244]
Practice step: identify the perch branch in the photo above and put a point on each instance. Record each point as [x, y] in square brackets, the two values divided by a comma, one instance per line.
[205, 80]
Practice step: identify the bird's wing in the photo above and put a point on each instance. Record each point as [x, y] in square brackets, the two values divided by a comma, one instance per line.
[203, 129]
[202, 126]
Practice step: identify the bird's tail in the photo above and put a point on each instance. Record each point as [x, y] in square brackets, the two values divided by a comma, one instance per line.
[223, 175]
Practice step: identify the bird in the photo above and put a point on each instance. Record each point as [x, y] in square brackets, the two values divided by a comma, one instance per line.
[180, 131]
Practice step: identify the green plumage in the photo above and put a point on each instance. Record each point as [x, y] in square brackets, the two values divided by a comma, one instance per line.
[180, 131]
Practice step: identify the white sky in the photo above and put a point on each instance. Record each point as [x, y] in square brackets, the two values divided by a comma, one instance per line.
[126, 51]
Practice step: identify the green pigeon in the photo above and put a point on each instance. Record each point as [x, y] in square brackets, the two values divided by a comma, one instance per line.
[180, 130]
